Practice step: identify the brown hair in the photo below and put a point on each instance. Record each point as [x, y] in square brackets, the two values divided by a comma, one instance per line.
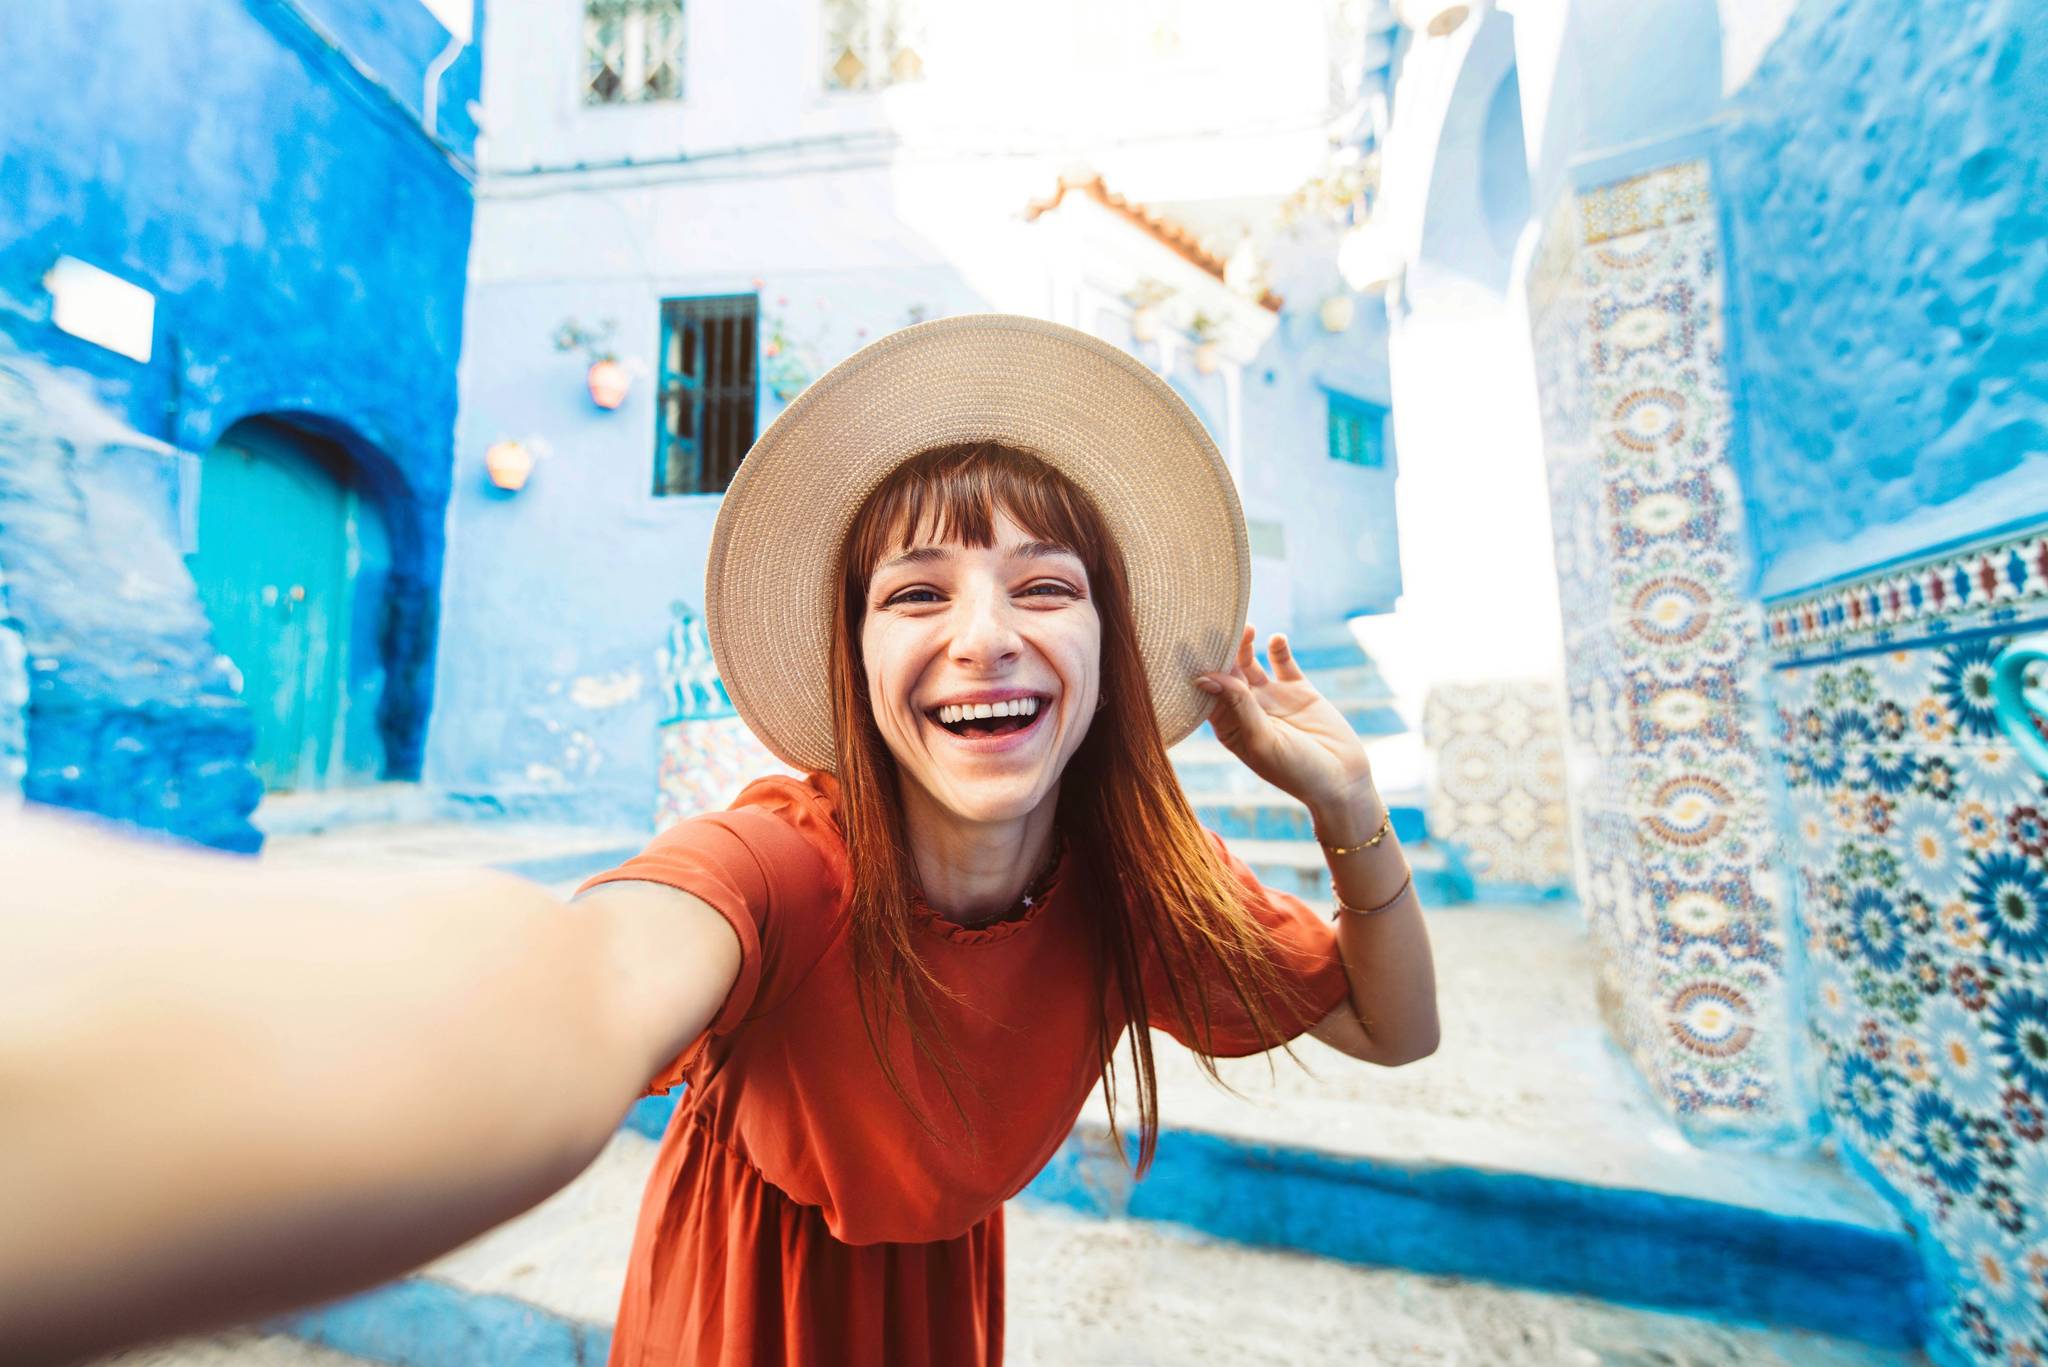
[1127, 825]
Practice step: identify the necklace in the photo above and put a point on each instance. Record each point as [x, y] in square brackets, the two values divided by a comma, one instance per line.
[1036, 888]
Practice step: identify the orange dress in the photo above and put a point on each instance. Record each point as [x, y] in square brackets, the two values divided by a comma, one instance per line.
[797, 1212]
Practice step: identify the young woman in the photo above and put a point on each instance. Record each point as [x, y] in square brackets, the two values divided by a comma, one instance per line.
[972, 583]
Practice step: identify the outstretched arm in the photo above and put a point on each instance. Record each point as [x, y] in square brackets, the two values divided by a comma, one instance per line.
[226, 1091]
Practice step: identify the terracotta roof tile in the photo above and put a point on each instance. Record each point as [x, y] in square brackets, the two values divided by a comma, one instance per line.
[1173, 235]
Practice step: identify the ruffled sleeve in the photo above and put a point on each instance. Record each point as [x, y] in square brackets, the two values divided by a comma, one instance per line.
[765, 866]
[1301, 944]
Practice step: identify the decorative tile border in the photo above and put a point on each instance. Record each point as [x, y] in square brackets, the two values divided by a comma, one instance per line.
[1659, 199]
[1997, 583]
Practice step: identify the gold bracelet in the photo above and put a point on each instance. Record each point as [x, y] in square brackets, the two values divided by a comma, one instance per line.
[1343, 906]
[1386, 824]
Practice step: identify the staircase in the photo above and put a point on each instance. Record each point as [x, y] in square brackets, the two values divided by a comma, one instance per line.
[1271, 832]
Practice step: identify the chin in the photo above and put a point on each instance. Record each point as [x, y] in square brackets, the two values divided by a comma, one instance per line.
[995, 799]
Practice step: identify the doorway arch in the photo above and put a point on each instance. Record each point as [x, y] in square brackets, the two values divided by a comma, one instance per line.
[293, 568]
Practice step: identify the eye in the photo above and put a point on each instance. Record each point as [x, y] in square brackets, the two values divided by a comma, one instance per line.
[1051, 588]
[906, 597]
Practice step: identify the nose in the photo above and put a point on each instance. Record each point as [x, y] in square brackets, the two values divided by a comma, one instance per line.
[984, 634]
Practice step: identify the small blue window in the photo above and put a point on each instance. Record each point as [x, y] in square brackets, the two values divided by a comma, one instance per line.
[1358, 431]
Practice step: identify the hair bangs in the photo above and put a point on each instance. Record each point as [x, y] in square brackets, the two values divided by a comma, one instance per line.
[957, 493]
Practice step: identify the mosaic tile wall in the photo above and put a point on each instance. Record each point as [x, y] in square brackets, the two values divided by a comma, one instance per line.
[1498, 788]
[1665, 719]
[704, 764]
[1921, 837]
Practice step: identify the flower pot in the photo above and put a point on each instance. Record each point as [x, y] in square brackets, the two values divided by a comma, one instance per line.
[509, 464]
[609, 383]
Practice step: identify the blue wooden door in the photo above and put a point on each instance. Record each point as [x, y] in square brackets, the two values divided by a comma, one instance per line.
[273, 573]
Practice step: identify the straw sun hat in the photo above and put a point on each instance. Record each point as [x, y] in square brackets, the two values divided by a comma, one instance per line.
[1091, 411]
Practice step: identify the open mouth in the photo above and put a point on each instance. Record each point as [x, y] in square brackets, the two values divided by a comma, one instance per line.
[984, 720]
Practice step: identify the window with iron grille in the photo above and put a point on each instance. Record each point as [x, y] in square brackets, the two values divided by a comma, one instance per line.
[870, 44]
[632, 51]
[705, 410]
[1358, 431]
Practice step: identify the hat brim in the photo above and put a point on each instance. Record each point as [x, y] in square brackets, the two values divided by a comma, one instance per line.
[1093, 412]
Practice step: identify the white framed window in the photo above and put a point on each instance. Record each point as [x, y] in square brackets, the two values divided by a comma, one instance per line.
[632, 51]
[872, 44]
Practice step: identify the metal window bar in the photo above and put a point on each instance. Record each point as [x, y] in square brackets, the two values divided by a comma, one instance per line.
[632, 50]
[708, 394]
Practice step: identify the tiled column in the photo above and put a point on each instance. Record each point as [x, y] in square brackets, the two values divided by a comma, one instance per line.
[1674, 831]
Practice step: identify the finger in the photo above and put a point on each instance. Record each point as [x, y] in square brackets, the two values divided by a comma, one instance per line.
[1247, 662]
[1285, 667]
[1236, 708]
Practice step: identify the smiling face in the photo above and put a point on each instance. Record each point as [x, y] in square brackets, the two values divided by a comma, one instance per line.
[983, 666]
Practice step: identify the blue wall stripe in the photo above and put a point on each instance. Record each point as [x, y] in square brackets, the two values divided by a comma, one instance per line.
[1634, 1247]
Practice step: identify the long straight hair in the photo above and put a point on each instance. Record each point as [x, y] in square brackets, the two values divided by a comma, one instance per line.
[1128, 828]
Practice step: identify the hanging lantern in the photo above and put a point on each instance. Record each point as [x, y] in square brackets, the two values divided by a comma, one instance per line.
[1208, 355]
[1337, 312]
[1366, 259]
[1145, 324]
[609, 382]
[508, 463]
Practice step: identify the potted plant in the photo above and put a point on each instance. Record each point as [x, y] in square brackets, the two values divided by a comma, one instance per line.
[609, 379]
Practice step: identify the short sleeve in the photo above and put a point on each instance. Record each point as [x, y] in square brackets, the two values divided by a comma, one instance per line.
[769, 883]
[1302, 945]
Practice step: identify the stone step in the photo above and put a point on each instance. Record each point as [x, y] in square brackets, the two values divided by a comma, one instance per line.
[1297, 867]
[1276, 816]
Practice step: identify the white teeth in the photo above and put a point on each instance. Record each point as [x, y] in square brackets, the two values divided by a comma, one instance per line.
[959, 712]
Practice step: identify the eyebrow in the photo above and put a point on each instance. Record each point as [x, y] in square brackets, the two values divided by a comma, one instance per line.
[926, 555]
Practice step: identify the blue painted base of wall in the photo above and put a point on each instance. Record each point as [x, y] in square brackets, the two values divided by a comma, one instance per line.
[1634, 1247]
[420, 1322]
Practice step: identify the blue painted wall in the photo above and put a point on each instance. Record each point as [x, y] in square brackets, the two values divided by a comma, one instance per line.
[129, 710]
[1889, 240]
[260, 165]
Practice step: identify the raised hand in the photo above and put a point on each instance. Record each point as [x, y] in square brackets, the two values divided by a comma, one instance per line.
[1284, 730]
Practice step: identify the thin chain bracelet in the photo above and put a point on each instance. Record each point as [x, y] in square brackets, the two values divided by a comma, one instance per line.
[1386, 824]
[1343, 906]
